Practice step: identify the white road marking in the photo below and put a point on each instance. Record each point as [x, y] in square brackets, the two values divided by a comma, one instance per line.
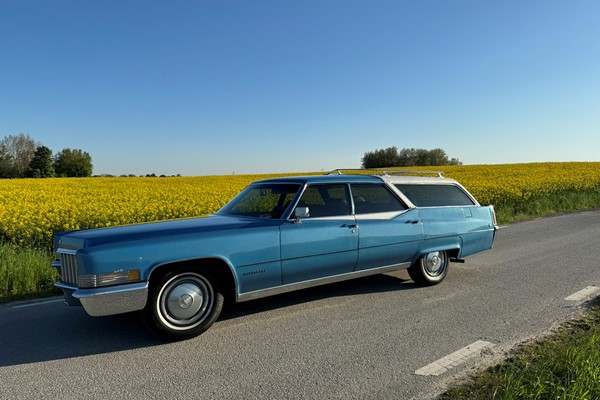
[452, 360]
[37, 303]
[583, 294]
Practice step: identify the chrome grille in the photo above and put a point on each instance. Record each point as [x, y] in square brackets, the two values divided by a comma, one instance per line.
[68, 267]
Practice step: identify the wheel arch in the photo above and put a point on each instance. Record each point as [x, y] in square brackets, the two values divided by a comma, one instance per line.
[452, 249]
[219, 268]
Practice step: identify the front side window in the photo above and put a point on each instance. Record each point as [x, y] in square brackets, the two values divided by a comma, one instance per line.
[326, 200]
[435, 195]
[374, 198]
[262, 200]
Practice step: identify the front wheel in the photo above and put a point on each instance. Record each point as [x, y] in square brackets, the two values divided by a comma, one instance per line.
[183, 304]
[430, 269]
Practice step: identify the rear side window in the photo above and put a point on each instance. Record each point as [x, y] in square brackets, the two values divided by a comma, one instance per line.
[371, 198]
[435, 195]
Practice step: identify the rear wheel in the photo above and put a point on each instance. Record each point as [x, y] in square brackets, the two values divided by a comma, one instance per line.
[430, 269]
[183, 304]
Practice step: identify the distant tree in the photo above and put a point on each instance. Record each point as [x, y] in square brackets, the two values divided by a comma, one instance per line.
[381, 158]
[6, 162]
[40, 165]
[391, 157]
[73, 163]
[16, 151]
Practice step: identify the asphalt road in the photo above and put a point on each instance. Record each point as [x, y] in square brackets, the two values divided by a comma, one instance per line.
[363, 339]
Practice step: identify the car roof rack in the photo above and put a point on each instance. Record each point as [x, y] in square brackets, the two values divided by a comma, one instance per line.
[339, 171]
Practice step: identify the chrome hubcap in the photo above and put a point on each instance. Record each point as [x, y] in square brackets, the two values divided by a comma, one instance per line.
[185, 301]
[435, 263]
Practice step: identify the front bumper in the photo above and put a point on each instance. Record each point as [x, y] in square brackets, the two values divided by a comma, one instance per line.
[111, 300]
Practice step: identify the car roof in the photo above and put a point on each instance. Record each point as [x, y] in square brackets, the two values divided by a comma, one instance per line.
[324, 179]
[359, 178]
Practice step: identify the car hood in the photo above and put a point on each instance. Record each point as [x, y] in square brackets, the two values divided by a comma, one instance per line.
[75, 240]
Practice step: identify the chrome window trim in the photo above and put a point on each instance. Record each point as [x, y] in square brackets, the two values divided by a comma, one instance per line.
[385, 215]
[470, 206]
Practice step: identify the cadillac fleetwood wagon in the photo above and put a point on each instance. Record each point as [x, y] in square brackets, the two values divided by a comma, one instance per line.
[276, 236]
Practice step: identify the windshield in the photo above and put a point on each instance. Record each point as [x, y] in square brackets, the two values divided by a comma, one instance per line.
[262, 200]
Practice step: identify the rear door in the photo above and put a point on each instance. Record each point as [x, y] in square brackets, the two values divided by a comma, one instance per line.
[390, 233]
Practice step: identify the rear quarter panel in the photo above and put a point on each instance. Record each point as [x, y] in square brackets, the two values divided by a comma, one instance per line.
[467, 228]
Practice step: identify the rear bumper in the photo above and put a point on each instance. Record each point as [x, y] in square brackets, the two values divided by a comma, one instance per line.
[112, 300]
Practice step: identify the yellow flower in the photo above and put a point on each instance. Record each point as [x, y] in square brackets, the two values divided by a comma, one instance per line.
[33, 210]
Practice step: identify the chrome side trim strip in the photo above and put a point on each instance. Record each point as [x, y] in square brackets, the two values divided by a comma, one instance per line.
[257, 294]
[492, 228]
[333, 218]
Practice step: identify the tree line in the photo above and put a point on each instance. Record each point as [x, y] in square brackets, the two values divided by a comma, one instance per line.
[23, 157]
[391, 157]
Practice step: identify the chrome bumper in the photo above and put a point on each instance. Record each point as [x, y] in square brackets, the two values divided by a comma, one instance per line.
[112, 300]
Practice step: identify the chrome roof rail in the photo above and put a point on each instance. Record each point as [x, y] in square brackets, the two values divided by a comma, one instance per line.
[338, 171]
[439, 174]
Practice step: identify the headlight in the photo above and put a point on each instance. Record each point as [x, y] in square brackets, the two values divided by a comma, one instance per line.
[113, 278]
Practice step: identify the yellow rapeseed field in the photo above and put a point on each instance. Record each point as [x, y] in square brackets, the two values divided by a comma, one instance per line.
[32, 210]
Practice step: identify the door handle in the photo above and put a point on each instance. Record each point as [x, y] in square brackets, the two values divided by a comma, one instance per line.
[349, 226]
[412, 221]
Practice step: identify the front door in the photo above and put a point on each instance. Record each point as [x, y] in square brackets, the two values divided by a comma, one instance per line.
[326, 242]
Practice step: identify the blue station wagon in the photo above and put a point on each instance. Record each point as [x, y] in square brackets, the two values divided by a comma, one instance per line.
[276, 236]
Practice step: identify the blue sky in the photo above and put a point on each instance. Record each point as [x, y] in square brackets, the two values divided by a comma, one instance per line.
[221, 87]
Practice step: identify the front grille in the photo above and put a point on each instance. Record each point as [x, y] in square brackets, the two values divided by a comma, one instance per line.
[68, 268]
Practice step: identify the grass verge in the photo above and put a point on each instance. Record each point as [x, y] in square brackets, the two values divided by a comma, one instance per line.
[25, 272]
[564, 365]
[540, 206]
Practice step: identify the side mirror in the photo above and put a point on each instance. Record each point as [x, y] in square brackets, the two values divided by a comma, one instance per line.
[301, 212]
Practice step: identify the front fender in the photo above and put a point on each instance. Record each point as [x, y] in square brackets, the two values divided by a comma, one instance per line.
[246, 248]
